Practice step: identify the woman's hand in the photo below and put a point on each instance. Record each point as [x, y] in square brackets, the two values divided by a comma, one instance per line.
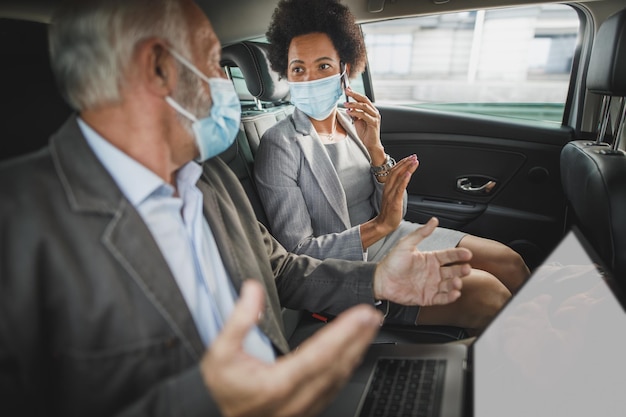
[391, 206]
[367, 124]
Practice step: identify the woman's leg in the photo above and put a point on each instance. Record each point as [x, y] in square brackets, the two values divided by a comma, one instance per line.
[497, 259]
[482, 297]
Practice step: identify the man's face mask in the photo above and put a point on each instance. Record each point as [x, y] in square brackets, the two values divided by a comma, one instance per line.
[217, 131]
[316, 98]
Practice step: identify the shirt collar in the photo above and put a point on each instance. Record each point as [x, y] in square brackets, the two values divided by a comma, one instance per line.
[135, 180]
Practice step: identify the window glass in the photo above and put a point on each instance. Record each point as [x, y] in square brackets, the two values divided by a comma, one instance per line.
[512, 62]
[240, 84]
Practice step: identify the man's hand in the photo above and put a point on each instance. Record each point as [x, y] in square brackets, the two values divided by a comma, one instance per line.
[301, 383]
[409, 277]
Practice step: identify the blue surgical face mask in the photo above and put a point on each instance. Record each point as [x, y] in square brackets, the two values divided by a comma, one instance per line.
[217, 131]
[318, 98]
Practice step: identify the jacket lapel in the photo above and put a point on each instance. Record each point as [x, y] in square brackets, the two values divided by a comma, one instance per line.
[236, 259]
[90, 189]
[130, 241]
[321, 167]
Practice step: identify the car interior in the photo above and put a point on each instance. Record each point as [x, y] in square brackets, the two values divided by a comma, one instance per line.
[548, 177]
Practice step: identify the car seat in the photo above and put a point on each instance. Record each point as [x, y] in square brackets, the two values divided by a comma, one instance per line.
[594, 172]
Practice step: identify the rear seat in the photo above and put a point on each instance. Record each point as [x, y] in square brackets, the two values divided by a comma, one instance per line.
[264, 102]
[264, 96]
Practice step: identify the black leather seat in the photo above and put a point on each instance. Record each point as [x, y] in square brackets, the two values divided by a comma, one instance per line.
[266, 95]
[252, 59]
[594, 172]
[269, 92]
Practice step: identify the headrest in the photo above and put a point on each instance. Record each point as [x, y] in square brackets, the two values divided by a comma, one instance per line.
[607, 65]
[252, 60]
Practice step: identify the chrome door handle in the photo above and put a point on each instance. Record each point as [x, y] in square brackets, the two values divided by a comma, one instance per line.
[468, 185]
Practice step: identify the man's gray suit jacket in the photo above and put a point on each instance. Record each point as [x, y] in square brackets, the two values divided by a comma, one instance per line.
[92, 322]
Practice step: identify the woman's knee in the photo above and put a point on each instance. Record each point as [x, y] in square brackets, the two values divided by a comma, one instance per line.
[487, 297]
[498, 259]
[482, 297]
[515, 268]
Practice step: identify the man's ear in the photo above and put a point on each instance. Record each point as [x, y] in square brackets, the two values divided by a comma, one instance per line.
[156, 67]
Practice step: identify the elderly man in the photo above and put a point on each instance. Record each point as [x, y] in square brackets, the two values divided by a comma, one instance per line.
[136, 281]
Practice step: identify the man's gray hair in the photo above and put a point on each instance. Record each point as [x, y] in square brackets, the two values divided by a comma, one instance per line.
[92, 42]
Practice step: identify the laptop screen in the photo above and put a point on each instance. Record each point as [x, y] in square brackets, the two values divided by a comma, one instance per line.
[556, 349]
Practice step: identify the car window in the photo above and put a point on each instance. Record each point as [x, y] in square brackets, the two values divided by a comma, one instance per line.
[235, 74]
[511, 62]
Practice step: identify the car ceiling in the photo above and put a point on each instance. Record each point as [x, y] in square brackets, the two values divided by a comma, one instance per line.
[253, 15]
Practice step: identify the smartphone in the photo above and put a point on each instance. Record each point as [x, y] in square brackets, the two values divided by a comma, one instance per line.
[345, 83]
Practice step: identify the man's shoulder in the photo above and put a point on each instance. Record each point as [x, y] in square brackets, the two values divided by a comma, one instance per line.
[26, 184]
[28, 168]
[218, 174]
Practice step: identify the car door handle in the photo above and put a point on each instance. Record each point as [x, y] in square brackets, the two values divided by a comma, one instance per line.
[475, 185]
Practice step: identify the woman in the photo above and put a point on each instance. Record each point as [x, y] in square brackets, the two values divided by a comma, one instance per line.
[324, 176]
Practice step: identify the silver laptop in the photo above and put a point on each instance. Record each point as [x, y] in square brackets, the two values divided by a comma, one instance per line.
[556, 348]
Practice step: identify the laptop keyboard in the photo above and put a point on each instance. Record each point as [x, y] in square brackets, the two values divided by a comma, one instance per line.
[405, 387]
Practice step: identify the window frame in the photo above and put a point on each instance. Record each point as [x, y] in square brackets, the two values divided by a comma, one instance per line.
[575, 96]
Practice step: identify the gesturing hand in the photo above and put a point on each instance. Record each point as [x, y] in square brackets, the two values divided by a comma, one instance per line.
[409, 277]
[392, 202]
[301, 383]
[391, 207]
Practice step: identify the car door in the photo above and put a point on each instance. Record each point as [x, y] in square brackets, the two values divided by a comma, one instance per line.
[495, 180]
[485, 122]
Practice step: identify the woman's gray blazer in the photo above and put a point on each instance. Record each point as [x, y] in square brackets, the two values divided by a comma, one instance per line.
[302, 194]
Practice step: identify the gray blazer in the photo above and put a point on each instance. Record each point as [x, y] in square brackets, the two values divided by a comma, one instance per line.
[92, 322]
[301, 191]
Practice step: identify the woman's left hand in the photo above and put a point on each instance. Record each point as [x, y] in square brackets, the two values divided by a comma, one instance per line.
[367, 123]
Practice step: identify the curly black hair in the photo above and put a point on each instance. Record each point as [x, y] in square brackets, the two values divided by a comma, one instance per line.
[293, 18]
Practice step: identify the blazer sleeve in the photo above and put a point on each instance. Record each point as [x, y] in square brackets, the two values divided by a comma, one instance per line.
[300, 282]
[279, 181]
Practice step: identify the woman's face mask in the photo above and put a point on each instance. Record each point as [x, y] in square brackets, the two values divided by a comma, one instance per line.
[217, 131]
[317, 99]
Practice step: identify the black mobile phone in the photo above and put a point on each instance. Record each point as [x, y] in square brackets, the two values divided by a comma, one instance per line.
[345, 83]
